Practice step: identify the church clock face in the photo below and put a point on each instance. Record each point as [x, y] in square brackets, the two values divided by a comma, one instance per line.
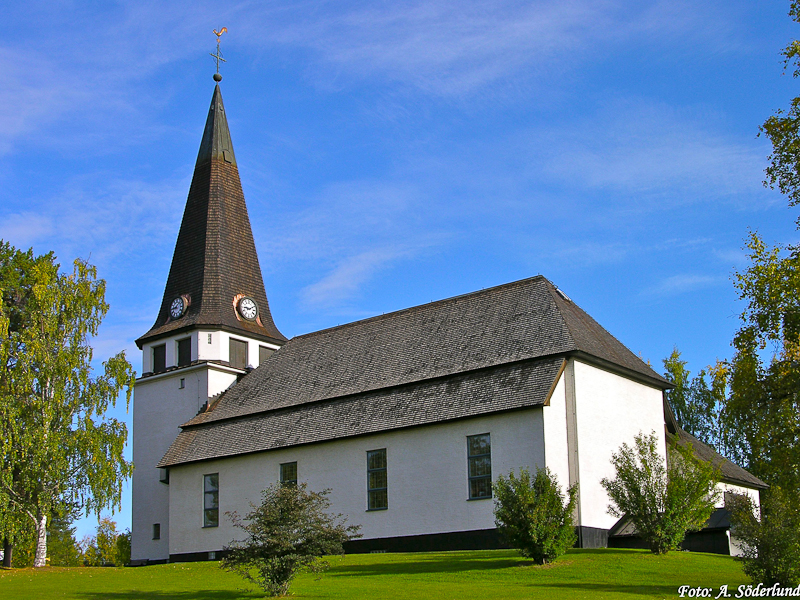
[248, 308]
[177, 308]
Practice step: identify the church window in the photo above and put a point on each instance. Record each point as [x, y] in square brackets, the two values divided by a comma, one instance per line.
[156, 531]
[377, 482]
[264, 353]
[479, 457]
[159, 358]
[184, 352]
[289, 473]
[211, 500]
[238, 354]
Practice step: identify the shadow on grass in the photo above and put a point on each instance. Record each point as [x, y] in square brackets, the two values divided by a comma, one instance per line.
[442, 563]
[427, 566]
[606, 551]
[192, 595]
[654, 590]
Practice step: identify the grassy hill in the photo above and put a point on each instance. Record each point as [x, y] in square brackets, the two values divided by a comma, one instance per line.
[484, 575]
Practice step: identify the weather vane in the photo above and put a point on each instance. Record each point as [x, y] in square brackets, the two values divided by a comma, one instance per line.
[218, 55]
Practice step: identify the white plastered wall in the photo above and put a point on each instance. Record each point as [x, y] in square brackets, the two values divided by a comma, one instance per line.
[162, 403]
[736, 489]
[219, 349]
[733, 543]
[610, 410]
[159, 407]
[556, 450]
[426, 469]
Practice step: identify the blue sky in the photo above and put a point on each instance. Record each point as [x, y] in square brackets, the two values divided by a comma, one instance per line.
[394, 153]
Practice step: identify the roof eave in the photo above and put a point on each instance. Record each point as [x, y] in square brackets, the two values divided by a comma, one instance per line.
[652, 381]
[165, 464]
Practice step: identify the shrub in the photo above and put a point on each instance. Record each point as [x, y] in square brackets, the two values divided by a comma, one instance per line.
[771, 540]
[287, 533]
[663, 502]
[532, 516]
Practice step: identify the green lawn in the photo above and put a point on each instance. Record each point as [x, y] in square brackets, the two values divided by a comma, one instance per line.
[489, 574]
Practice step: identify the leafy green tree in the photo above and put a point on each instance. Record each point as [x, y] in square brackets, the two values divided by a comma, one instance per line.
[679, 397]
[15, 531]
[532, 515]
[106, 541]
[287, 533]
[107, 547]
[663, 501]
[783, 130]
[758, 392]
[122, 557]
[62, 547]
[697, 402]
[18, 538]
[56, 444]
[771, 539]
[762, 410]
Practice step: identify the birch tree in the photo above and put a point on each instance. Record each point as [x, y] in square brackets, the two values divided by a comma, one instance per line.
[57, 446]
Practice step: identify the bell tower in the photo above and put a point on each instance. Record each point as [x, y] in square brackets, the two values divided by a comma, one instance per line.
[214, 325]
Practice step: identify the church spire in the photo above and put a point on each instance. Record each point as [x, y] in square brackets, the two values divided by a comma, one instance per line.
[215, 279]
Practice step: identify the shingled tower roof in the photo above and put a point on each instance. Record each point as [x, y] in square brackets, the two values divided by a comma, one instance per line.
[215, 261]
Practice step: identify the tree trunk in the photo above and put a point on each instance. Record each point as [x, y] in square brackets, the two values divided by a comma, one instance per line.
[41, 541]
[8, 549]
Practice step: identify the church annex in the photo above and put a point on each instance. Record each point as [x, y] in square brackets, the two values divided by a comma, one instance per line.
[407, 417]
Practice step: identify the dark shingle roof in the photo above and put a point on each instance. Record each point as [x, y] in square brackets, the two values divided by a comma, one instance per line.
[503, 388]
[324, 378]
[731, 472]
[215, 257]
[719, 519]
[517, 321]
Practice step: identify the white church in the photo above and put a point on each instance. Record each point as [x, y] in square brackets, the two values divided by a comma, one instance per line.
[407, 417]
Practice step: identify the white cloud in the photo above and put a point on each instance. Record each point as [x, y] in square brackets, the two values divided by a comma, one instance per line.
[682, 284]
[346, 218]
[23, 229]
[346, 235]
[733, 257]
[70, 61]
[638, 147]
[101, 220]
[590, 253]
[450, 48]
[346, 280]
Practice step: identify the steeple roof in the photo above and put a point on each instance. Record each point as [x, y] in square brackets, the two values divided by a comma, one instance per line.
[215, 262]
